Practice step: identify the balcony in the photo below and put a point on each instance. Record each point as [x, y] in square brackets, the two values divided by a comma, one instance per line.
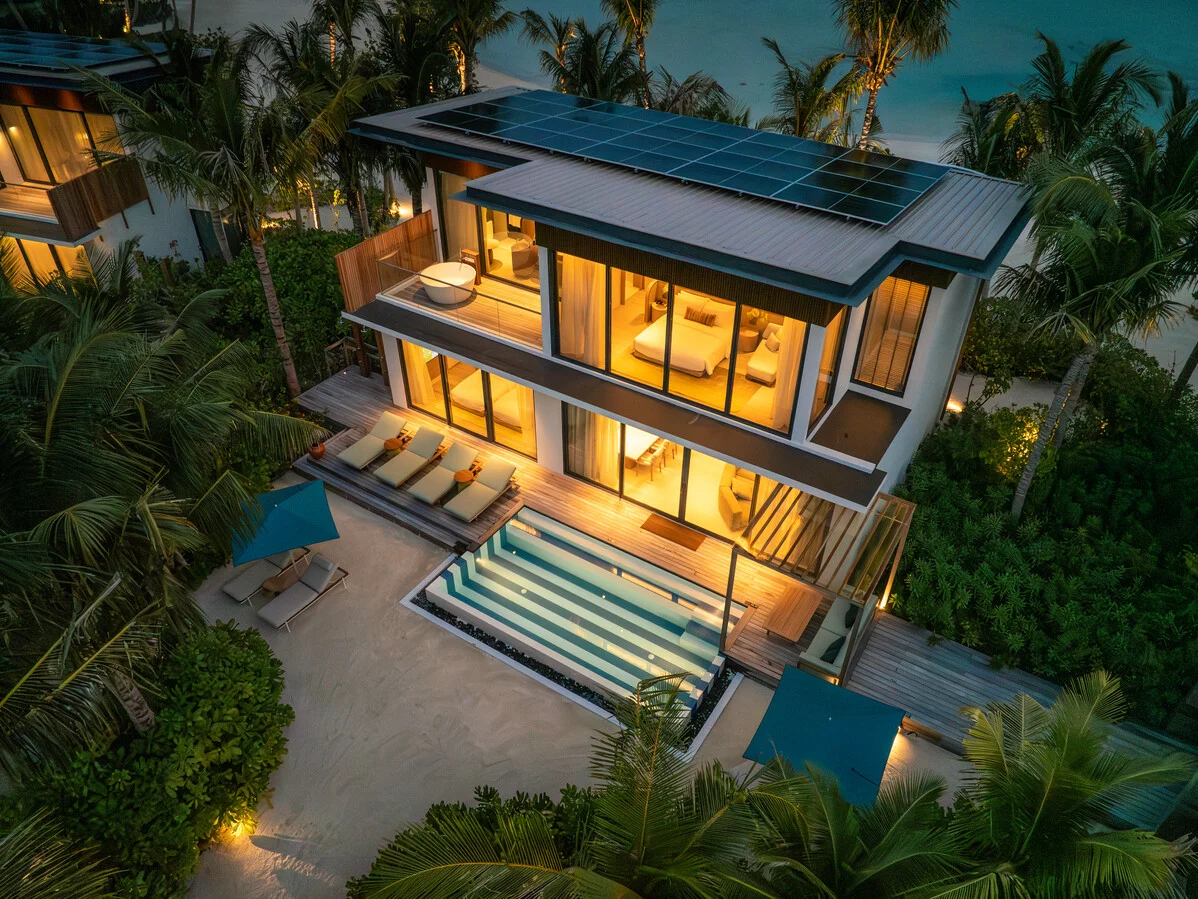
[71, 212]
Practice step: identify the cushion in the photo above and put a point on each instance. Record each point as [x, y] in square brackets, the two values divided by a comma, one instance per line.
[458, 457]
[433, 485]
[389, 425]
[362, 452]
[249, 581]
[320, 572]
[470, 503]
[695, 313]
[772, 343]
[770, 329]
[723, 314]
[425, 443]
[396, 471]
[288, 604]
[850, 616]
[496, 475]
[742, 486]
[833, 650]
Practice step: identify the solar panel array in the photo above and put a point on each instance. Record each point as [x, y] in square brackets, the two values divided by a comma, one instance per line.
[57, 52]
[855, 183]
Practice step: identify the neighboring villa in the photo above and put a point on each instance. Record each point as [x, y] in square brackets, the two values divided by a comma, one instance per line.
[743, 332]
[54, 200]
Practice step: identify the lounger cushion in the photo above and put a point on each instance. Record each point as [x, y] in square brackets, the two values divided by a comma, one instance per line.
[496, 474]
[320, 572]
[288, 604]
[249, 581]
[425, 443]
[362, 452]
[388, 426]
[396, 471]
[458, 457]
[819, 645]
[433, 485]
[834, 620]
[471, 502]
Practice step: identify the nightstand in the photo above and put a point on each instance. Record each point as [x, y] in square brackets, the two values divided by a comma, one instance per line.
[746, 340]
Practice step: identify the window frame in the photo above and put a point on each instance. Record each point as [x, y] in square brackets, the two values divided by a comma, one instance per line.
[869, 307]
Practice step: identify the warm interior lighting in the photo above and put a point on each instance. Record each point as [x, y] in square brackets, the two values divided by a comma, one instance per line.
[955, 406]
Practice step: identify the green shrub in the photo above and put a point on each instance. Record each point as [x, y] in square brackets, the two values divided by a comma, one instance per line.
[152, 800]
[1003, 343]
[1096, 575]
[568, 819]
[303, 266]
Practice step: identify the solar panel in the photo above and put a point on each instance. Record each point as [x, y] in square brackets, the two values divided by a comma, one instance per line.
[854, 183]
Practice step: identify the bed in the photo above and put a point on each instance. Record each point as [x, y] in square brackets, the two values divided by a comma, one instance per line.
[695, 348]
[505, 399]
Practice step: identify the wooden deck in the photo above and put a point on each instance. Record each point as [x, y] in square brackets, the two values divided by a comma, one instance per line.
[497, 307]
[355, 402]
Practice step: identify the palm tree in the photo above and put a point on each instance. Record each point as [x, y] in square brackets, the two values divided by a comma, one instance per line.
[470, 24]
[232, 149]
[1114, 227]
[991, 136]
[340, 19]
[1034, 809]
[120, 420]
[634, 18]
[698, 95]
[597, 64]
[804, 103]
[551, 33]
[39, 861]
[883, 34]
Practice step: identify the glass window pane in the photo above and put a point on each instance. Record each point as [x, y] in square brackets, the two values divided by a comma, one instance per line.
[16, 270]
[652, 470]
[423, 370]
[103, 130]
[767, 369]
[467, 401]
[460, 220]
[582, 310]
[829, 364]
[593, 447]
[719, 495]
[20, 138]
[888, 338]
[511, 248]
[638, 327]
[704, 328]
[63, 137]
[42, 260]
[514, 415]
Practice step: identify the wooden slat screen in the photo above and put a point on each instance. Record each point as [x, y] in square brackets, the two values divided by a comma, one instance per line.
[413, 244]
[83, 202]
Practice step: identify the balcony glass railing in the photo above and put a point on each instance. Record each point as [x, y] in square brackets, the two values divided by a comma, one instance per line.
[448, 290]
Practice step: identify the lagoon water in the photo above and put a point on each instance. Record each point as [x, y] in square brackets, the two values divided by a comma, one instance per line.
[989, 52]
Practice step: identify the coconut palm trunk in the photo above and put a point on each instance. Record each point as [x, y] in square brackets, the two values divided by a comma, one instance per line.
[640, 52]
[870, 106]
[1183, 376]
[1075, 393]
[274, 314]
[1059, 398]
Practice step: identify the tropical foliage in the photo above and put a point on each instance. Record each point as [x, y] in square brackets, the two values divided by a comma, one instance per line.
[38, 860]
[806, 105]
[1095, 575]
[656, 825]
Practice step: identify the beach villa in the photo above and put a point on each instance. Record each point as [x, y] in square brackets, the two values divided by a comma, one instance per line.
[695, 357]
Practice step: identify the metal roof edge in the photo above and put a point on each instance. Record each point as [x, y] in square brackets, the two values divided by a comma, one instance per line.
[429, 145]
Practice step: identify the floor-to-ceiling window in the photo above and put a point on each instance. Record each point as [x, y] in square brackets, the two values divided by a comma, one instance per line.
[469, 398]
[55, 145]
[38, 263]
[829, 365]
[892, 322]
[459, 221]
[714, 353]
[511, 248]
[716, 496]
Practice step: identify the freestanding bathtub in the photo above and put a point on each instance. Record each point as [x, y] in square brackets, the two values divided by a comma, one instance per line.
[448, 283]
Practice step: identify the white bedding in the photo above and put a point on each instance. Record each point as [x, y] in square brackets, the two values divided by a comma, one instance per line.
[469, 393]
[694, 348]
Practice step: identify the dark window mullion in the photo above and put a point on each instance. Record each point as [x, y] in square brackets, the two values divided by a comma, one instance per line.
[732, 359]
[607, 276]
[444, 387]
[37, 142]
[620, 461]
[488, 417]
[686, 477]
[665, 378]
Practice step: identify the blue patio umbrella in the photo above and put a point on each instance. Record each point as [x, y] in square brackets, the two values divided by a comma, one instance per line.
[833, 728]
[289, 518]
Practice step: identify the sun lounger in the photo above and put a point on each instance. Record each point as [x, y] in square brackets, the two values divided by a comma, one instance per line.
[421, 450]
[362, 452]
[437, 482]
[321, 577]
[492, 482]
[249, 579]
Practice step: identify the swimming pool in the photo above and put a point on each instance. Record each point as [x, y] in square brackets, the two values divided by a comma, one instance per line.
[604, 617]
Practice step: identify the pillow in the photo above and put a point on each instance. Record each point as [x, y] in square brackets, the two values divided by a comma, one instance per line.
[832, 651]
[688, 305]
[695, 313]
[742, 486]
[724, 314]
[772, 343]
[770, 329]
[850, 617]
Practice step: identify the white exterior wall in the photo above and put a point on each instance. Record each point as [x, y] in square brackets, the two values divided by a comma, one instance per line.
[164, 226]
[549, 432]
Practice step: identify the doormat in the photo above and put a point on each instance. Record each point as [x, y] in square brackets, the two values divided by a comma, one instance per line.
[672, 530]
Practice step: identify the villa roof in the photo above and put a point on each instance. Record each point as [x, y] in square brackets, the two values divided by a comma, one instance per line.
[35, 59]
[965, 223]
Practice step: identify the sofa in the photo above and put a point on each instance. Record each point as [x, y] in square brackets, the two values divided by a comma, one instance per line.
[735, 496]
[763, 364]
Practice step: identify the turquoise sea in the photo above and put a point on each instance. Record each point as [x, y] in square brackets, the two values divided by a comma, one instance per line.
[990, 49]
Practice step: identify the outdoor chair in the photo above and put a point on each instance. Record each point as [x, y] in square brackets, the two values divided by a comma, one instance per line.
[362, 452]
[492, 482]
[320, 578]
[249, 580]
[421, 450]
[438, 482]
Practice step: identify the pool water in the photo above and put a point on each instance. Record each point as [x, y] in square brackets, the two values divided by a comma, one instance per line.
[596, 613]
